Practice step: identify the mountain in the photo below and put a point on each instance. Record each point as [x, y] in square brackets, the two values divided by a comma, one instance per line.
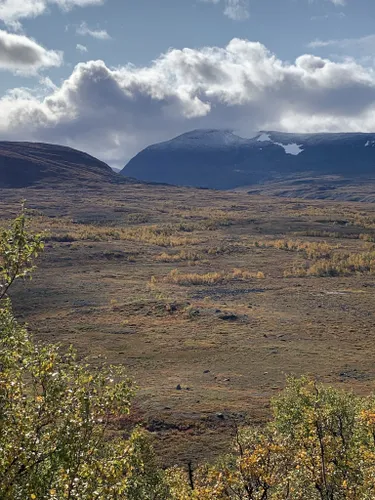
[219, 159]
[25, 163]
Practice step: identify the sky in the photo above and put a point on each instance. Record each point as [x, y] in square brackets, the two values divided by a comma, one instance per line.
[111, 77]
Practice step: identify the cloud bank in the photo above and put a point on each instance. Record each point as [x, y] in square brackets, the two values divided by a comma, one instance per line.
[114, 112]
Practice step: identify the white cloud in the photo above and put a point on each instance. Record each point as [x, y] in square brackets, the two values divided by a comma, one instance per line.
[238, 10]
[365, 42]
[22, 54]
[81, 48]
[362, 49]
[84, 30]
[114, 112]
[11, 11]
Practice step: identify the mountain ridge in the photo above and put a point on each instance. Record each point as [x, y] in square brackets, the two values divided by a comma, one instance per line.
[24, 164]
[214, 158]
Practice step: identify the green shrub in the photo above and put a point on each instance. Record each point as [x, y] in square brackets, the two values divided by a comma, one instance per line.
[55, 413]
[319, 445]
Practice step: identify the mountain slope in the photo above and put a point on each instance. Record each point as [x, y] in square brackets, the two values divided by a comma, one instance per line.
[25, 163]
[219, 159]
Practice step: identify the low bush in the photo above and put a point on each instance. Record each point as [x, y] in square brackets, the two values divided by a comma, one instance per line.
[319, 445]
[340, 264]
[310, 250]
[212, 278]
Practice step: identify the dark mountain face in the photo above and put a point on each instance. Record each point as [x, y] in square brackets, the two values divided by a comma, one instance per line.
[24, 163]
[221, 160]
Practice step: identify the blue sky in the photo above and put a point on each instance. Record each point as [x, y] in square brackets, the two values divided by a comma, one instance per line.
[83, 72]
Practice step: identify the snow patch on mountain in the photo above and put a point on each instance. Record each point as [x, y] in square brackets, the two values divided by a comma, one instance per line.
[290, 149]
[264, 138]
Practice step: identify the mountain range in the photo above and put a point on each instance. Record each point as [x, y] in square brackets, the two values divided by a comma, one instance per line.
[220, 159]
[328, 166]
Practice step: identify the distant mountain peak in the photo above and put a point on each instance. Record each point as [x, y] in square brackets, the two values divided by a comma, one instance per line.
[204, 138]
[218, 158]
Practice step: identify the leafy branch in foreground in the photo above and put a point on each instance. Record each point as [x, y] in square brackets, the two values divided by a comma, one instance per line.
[18, 249]
[56, 412]
[320, 445]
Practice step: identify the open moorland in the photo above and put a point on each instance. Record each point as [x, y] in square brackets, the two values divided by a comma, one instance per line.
[208, 298]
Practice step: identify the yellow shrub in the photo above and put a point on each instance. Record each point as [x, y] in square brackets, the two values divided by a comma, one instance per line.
[177, 257]
[211, 278]
[311, 250]
[179, 278]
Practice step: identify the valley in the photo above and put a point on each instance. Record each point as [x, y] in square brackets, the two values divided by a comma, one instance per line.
[209, 298]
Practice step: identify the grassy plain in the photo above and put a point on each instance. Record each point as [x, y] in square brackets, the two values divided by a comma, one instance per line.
[208, 298]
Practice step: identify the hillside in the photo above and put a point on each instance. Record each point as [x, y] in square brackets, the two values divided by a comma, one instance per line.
[25, 163]
[219, 159]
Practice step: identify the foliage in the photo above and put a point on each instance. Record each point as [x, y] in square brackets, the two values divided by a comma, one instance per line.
[323, 259]
[58, 416]
[340, 264]
[18, 249]
[316, 250]
[164, 235]
[56, 412]
[183, 255]
[320, 445]
[212, 278]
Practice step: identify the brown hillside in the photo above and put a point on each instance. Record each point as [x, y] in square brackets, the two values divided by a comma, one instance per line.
[24, 163]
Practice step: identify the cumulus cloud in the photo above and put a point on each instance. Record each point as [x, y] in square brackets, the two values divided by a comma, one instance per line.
[114, 112]
[11, 11]
[19, 53]
[84, 30]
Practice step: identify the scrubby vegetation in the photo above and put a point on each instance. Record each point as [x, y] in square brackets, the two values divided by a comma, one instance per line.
[212, 278]
[166, 236]
[61, 418]
[318, 445]
[324, 260]
[178, 257]
[309, 250]
[58, 418]
[55, 412]
[340, 264]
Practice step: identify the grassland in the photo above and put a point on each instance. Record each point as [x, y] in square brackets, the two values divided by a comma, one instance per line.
[208, 298]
